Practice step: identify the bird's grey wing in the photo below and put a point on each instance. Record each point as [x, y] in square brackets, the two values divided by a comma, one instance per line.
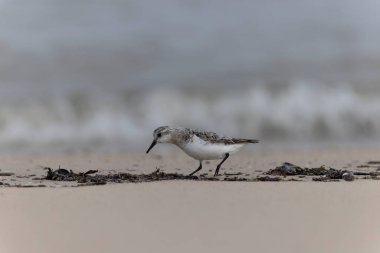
[215, 138]
[240, 141]
[230, 141]
[206, 136]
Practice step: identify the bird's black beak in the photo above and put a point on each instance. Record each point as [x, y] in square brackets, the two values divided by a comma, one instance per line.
[151, 146]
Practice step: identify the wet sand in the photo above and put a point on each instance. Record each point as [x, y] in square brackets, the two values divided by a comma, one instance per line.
[193, 217]
[28, 169]
[190, 216]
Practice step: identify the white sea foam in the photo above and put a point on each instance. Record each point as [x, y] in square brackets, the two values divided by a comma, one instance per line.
[301, 112]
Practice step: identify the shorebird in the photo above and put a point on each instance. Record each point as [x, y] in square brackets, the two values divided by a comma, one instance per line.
[200, 145]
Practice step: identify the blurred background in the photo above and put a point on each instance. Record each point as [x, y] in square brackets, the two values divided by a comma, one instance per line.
[98, 75]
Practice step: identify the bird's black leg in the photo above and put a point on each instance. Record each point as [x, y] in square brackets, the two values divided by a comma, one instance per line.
[199, 168]
[220, 164]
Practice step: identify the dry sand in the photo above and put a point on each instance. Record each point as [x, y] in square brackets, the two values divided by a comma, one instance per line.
[188, 216]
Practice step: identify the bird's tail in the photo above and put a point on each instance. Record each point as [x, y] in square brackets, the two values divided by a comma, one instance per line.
[252, 141]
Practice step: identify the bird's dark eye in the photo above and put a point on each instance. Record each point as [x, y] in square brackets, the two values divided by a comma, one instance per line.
[159, 135]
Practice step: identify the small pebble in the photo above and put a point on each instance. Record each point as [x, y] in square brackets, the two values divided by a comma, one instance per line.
[348, 176]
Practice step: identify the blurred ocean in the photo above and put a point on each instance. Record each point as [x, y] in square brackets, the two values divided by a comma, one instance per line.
[101, 75]
[124, 120]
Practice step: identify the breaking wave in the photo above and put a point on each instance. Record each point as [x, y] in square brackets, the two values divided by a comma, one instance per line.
[301, 112]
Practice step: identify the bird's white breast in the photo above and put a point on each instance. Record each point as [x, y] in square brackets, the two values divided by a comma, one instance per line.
[202, 150]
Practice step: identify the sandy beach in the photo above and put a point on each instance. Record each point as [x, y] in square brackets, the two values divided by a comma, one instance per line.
[193, 217]
[189, 216]
[28, 170]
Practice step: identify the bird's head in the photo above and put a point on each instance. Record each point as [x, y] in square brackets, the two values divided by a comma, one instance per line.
[162, 134]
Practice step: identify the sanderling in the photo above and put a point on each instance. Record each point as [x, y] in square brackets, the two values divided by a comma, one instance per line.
[200, 145]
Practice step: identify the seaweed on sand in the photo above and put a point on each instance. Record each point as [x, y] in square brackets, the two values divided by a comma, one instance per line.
[90, 177]
[318, 173]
